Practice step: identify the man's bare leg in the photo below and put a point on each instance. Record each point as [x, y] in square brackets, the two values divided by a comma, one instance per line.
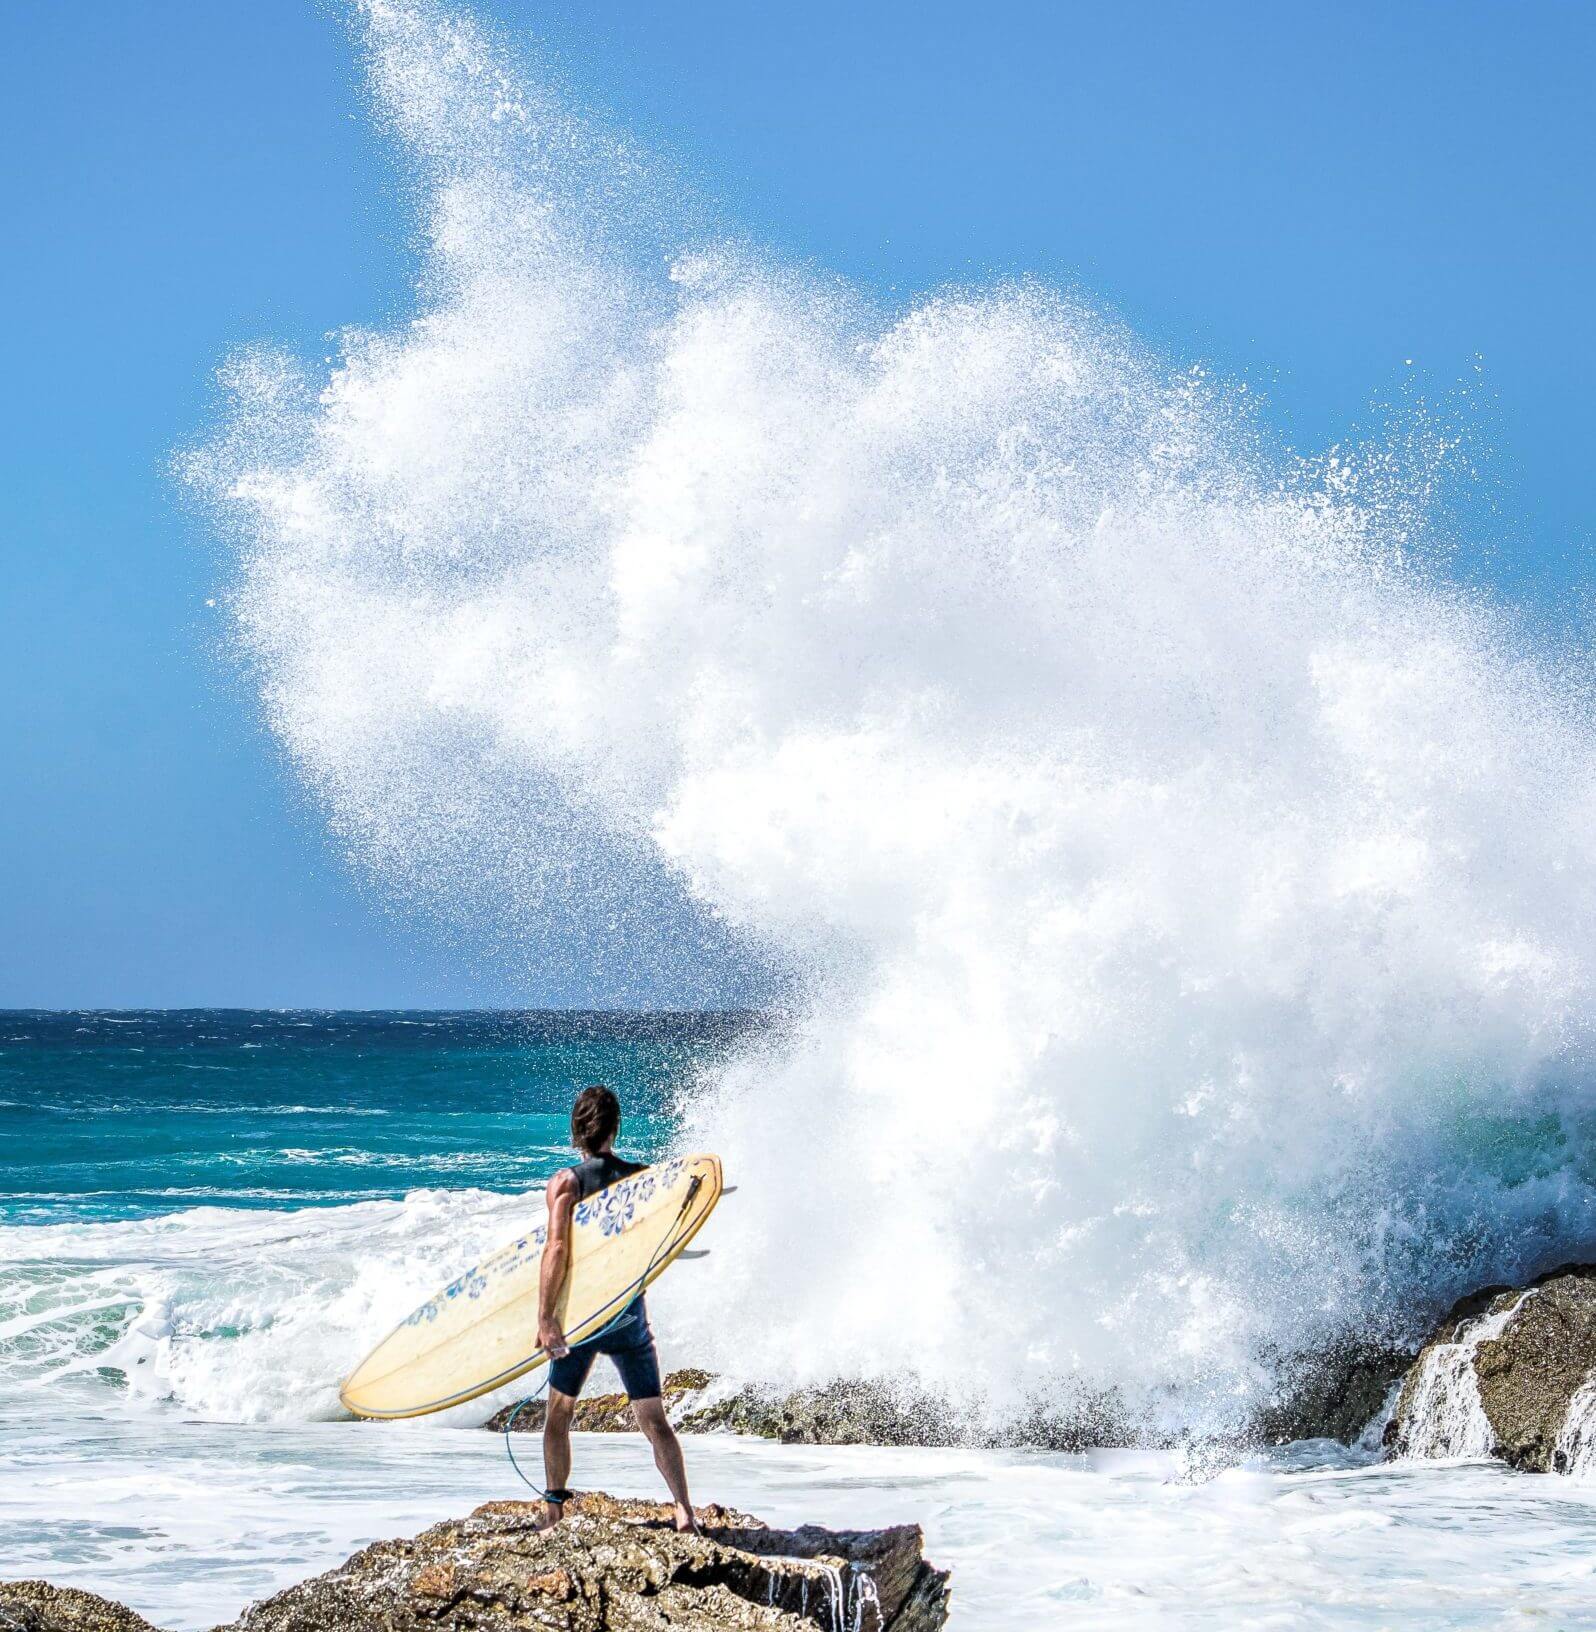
[656, 1425]
[556, 1452]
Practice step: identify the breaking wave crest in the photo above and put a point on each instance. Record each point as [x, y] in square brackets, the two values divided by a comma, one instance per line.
[233, 1314]
[1182, 900]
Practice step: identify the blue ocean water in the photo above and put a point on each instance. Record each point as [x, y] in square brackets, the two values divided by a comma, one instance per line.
[214, 1211]
[107, 1116]
[206, 1217]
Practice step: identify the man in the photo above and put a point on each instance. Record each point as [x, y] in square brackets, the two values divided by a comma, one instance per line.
[627, 1340]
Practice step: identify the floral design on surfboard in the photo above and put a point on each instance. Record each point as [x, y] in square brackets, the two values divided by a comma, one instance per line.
[612, 1210]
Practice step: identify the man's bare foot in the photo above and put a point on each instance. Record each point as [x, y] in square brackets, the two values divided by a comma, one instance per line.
[686, 1521]
[553, 1512]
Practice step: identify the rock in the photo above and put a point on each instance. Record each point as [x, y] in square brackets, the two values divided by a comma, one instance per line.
[36, 1606]
[1528, 1376]
[1330, 1396]
[612, 1566]
[1334, 1395]
[618, 1566]
[839, 1413]
[1500, 1374]
[608, 1413]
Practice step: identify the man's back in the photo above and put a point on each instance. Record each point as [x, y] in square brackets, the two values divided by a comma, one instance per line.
[595, 1173]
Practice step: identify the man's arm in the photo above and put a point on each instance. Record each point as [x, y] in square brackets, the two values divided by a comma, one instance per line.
[561, 1196]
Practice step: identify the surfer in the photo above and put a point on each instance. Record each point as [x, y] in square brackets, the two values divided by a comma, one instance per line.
[627, 1340]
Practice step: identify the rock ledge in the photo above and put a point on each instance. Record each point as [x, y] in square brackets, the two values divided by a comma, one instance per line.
[1510, 1373]
[612, 1566]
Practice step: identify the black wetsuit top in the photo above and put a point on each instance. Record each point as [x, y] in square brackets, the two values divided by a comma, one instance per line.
[600, 1172]
[592, 1175]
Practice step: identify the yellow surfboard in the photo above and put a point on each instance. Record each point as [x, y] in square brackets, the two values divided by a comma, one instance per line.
[480, 1331]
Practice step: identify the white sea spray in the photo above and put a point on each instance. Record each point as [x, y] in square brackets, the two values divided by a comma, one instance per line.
[1183, 901]
[1574, 1452]
[234, 1313]
[1445, 1415]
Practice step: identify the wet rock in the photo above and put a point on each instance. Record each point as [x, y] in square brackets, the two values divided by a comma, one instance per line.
[841, 1413]
[608, 1413]
[1326, 1396]
[1529, 1375]
[838, 1414]
[1499, 1375]
[36, 1606]
[612, 1566]
[618, 1566]
[1334, 1395]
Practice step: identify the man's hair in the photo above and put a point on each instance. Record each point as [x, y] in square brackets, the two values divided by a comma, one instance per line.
[595, 1119]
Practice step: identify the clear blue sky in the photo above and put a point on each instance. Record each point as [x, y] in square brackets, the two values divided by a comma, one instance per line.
[1309, 194]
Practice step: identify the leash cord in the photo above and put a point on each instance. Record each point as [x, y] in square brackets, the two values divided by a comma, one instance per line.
[640, 1284]
[509, 1423]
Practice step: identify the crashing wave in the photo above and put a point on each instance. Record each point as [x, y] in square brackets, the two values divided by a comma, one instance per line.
[1180, 897]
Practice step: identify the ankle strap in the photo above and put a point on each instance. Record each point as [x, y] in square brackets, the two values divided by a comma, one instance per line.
[558, 1497]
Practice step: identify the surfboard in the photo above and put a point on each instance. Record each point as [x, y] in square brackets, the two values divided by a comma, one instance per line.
[480, 1331]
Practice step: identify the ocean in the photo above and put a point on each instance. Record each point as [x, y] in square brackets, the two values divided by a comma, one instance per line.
[116, 1117]
[1171, 886]
[205, 1218]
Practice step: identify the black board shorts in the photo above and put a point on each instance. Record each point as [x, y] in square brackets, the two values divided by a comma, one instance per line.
[628, 1341]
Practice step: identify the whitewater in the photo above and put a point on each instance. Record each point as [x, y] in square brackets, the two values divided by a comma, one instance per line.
[204, 1217]
[1179, 894]
[1168, 891]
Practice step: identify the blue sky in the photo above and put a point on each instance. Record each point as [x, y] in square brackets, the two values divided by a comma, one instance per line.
[1307, 195]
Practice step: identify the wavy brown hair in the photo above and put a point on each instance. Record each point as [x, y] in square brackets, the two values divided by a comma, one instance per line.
[595, 1119]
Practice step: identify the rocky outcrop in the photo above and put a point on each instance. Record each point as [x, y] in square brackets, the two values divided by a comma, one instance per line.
[616, 1566]
[862, 1413]
[610, 1413]
[36, 1606]
[1333, 1395]
[611, 1566]
[1505, 1375]
[838, 1413]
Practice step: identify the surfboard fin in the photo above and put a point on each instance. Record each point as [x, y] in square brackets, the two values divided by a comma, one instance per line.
[728, 1189]
[701, 1252]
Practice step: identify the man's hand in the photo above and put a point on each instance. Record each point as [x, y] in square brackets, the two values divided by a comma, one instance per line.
[551, 1339]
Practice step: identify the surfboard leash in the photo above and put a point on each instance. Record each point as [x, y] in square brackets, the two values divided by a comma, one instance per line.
[640, 1285]
[509, 1423]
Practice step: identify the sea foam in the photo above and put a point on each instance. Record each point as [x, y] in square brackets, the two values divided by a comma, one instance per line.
[1181, 900]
